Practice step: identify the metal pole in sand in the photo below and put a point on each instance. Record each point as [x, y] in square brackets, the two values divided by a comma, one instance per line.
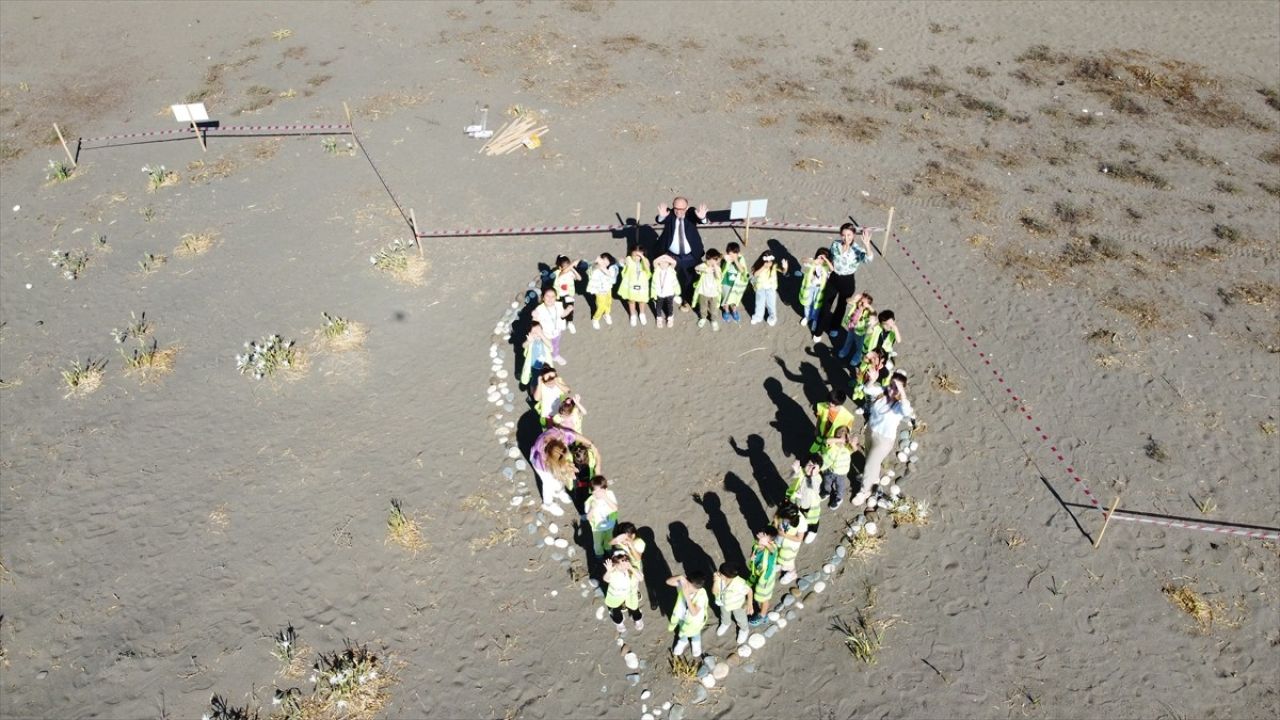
[65, 149]
[1106, 522]
[413, 220]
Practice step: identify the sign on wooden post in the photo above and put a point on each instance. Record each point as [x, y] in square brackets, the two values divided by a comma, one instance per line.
[747, 209]
[195, 114]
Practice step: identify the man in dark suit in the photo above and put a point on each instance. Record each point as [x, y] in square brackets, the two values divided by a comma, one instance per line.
[681, 240]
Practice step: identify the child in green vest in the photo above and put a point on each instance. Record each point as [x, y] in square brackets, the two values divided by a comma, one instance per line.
[870, 370]
[734, 283]
[763, 572]
[689, 616]
[537, 355]
[764, 275]
[623, 581]
[600, 281]
[856, 322]
[625, 540]
[837, 457]
[733, 595]
[602, 514]
[883, 335]
[805, 492]
[634, 288]
[830, 416]
[816, 271]
[791, 530]
[707, 289]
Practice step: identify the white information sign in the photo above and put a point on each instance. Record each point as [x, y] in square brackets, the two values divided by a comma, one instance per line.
[192, 113]
[743, 209]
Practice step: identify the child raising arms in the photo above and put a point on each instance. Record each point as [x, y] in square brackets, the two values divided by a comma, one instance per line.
[816, 272]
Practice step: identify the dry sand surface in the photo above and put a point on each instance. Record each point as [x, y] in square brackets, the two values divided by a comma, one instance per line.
[158, 529]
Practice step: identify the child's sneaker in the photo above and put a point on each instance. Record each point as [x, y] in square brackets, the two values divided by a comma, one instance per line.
[662, 322]
[633, 321]
[715, 326]
[724, 315]
[804, 321]
[788, 577]
[773, 321]
[644, 319]
[702, 322]
[756, 620]
[817, 339]
[755, 321]
[720, 631]
[809, 537]
[622, 628]
[560, 361]
[573, 329]
[608, 319]
[595, 324]
[639, 624]
[737, 316]
[553, 508]
[671, 320]
[742, 636]
[836, 505]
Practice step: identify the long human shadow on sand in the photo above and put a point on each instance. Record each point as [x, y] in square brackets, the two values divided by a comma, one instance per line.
[773, 488]
[718, 524]
[748, 502]
[686, 552]
[791, 420]
[656, 572]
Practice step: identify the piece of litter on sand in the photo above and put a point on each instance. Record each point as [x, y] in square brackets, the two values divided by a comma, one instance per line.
[751, 351]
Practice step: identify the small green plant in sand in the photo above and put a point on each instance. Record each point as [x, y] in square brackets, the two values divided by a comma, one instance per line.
[338, 334]
[195, 243]
[72, 263]
[403, 529]
[268, 357]
[909, 511]
[348, 684]
[148, 213]
[684, 668]
[395, 260]
[158, 177]
[1205, 506]
[137, 329]
[59, 171]
[288, 705]
[291, 652]
[82, 378]
[333, 147]
[150, 262]
[221, 709]
[149, 360]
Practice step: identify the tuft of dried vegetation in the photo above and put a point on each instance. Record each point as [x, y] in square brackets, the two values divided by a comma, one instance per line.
[1154, 450]
[929, 88]
[684, 669]
[203, 172]
[83, 378]
[992, 110]
[1033, 224]
[1070, 213]
[1261, 293]
[1145, 314]
[1227, 233]
[960, 191]
[149, 361]
[1131, 172]
[1186, 599]
[845, 127]
[403, 529]
[193, 244]
[396, 260]
[944, 382]
[338, 334]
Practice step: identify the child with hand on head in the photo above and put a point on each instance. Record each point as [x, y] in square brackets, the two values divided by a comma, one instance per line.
[550, 315]
[602, 514]
[665, 289]
[568, 415]
[733, 284]
[837, 458]
[625, 540]
[816, 271]
[707, 289]
[883, 335]
[565, 283]
[537, 354]
[689, 616]
[805, 492]
[548, 393]
[586, 463]
[600, 281]
[623, 580]
[634, 288]
[733, 594]
[869, 372]
[856, 323]
[764, 275]
[791, 527]
[762, 572]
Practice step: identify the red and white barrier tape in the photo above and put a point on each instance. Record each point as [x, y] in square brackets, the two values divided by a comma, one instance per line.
[1215, 529]
[569, 229]
[221, 130]
[1058, 455]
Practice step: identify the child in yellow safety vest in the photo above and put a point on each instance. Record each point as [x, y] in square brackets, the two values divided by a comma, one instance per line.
[812, 284]
[634, 288]
[625, 540]
[602, 514]
[623, 581]
[689, 616]
[883, 335]
[600, 281]
[791, 530]
[568, 415]
[805, 492]
[733, 594]
[763, 572]
[837, 458]
[831, 416]
[733, 284]
[764, 276]
[870, 371]
[707, 289]
[856, 323]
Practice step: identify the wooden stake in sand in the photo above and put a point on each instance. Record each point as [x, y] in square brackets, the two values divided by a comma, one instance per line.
[888, 234]
[65, 149]
[413, 221]
[199, 135]
[194, 113]
[746, 232]
[517, 132]
[1106, 522]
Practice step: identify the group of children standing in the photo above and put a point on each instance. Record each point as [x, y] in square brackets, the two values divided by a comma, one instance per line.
[567, 462]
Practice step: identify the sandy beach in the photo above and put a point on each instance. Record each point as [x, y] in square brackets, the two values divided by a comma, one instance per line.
[1086, 200]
